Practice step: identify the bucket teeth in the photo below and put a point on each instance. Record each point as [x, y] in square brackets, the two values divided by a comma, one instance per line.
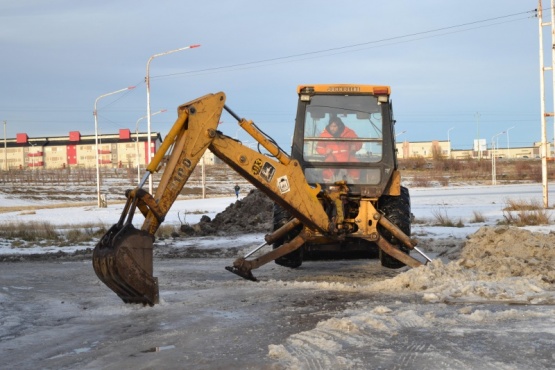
[122, 260]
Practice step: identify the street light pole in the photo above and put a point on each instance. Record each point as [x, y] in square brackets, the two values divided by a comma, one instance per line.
[137, 143]
[96, 138]
[449, 140]
[479, 148]
[448, 131]
[5, 148]
[508, 143]
[147, 82]
[32, 154]
[493, 151]
[396, 135]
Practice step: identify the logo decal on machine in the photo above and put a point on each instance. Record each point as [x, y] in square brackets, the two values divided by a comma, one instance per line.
[257, 166]
[283, 184]
[268, 172]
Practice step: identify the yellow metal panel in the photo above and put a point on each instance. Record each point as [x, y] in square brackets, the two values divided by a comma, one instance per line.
[348, 88]
[394, 187]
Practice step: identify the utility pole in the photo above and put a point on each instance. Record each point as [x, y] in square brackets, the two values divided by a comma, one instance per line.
[479, 147]
[544, 114]
[5, 149]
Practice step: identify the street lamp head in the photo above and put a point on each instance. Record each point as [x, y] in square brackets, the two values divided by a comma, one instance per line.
[148, 114]
[449, 131]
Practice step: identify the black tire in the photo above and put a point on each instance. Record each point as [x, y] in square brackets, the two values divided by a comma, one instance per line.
[295, 258]
[397, 210]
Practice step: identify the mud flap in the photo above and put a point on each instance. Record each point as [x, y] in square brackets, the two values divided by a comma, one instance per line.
[122, 260]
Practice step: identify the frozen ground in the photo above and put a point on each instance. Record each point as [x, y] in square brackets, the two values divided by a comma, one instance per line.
[487, 305]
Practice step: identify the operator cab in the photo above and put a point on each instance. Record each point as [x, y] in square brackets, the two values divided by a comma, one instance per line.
[345, 133]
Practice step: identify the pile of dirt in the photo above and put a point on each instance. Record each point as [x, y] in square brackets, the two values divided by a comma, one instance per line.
[510, 252]
[252, 214]
[496, 264]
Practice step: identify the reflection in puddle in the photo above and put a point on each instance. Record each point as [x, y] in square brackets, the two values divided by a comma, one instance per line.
[158, 349]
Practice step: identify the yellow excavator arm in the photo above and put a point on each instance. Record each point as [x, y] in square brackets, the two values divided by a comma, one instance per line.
[195, 131]
[123, 257]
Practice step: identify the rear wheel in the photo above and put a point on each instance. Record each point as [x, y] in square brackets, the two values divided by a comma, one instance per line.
[397, 210]
[295, 258]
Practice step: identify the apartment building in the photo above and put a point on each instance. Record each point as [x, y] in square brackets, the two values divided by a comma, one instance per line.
[75, 150]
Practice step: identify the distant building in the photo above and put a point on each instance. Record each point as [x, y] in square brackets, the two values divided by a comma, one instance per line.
[127, 149]
[124, 149]
[424, 149]
[432, 149]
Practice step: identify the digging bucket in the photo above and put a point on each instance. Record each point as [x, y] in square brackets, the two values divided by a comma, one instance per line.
[122, 260]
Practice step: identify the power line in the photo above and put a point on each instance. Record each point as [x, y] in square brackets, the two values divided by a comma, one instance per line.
[348, 48]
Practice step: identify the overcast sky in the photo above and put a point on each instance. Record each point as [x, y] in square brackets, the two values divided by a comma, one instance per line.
[463, 68]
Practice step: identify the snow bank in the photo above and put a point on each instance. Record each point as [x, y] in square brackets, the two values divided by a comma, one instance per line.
[497, 265]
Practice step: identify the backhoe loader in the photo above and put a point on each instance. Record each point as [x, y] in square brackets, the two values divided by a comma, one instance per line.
[338, 192]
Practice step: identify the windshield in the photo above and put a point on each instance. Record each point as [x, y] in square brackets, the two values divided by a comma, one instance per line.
[343, 129]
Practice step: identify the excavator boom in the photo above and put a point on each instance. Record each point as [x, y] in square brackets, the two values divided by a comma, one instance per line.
[123, 258]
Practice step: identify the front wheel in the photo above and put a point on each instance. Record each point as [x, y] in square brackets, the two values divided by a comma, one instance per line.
[397, 210]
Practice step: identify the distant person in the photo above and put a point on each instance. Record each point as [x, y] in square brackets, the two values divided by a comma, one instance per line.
[338, 151]
[237, 188]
